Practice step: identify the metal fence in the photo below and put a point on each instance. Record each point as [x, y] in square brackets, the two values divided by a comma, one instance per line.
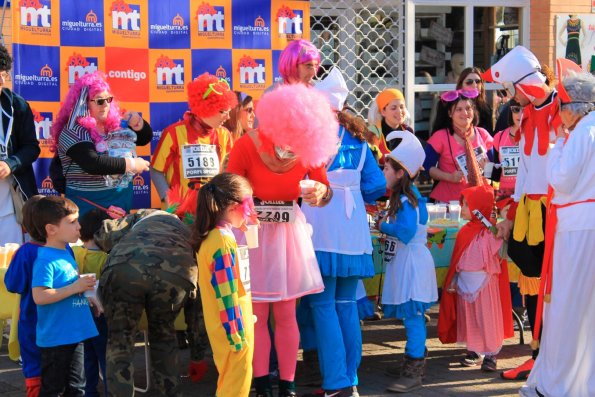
[365, 39]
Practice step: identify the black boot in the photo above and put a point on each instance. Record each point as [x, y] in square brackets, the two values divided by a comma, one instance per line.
[262, 384]
[287, 388]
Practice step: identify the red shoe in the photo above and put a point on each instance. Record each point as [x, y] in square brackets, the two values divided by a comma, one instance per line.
[519, 373]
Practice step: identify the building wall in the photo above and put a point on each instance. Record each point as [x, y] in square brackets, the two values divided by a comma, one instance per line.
[543, 24]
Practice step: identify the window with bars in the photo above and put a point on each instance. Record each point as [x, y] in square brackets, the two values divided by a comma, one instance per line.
[365, 40]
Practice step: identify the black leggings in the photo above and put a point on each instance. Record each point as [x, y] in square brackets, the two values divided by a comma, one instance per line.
[531, 305]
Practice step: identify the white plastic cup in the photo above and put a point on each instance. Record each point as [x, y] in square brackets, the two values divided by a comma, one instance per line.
[455, 212]
[440, 211]
[251, 234]
[306, 184]
[90, 293]
[431, 212]
[488, 169]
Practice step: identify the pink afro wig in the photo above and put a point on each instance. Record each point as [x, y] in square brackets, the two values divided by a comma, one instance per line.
[96, 83]
[214, 102]
[296, 52]
[299, 117]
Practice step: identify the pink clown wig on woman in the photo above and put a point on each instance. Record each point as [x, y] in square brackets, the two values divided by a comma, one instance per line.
[299, 118]
[96, 83]
[296, 52]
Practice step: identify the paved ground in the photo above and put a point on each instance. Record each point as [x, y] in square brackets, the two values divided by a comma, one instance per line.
[383, 346]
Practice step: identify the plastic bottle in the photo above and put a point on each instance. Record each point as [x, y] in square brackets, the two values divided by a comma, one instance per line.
[121, 143]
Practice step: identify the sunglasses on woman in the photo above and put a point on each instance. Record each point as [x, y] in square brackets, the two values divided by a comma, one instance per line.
[516, 109]
[471, 81]
[101, 101]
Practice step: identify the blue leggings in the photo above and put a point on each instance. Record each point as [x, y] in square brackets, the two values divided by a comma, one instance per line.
[338, 332]
[415, 327]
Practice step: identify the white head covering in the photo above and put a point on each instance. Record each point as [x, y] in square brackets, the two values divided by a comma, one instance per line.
[410, 154]
[333, 86]
[519, 67]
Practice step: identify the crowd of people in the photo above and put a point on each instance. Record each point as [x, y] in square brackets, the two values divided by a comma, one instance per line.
[299, 167]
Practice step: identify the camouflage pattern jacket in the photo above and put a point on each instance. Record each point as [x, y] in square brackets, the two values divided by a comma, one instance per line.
[149, 238]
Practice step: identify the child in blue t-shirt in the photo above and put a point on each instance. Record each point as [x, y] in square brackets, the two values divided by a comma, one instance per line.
[18, 280]
[90, 259]
[64, 320]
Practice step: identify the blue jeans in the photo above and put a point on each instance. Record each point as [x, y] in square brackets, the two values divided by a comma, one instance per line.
[62, 372]
[95, 358]
[338, 332]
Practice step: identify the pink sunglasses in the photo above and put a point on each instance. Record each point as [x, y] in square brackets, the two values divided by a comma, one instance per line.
[450, 96]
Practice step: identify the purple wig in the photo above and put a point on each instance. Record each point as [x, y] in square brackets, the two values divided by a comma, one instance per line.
[296, 52]
[96, 83]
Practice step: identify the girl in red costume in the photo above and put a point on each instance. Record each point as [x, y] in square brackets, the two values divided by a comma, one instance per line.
[475, 306]
[295, 137]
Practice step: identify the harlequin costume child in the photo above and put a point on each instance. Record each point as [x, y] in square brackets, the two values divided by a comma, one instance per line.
[295, 137]
[519, 70]
[410, 280]
[175, 169]
[224, 280]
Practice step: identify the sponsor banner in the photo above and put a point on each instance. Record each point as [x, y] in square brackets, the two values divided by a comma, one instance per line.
[36, 21]
[78, 61]
[210, 23]
[252, 71]
[290, 21]
[149, 51]
[216, 62]
[44, 114]
[126, 23]
[141, 187]
[251, 26]
[169, 24]
[169, 72]
[37, 78]
[164, 114]
[127, 72]
[82, 23]
[45, 186]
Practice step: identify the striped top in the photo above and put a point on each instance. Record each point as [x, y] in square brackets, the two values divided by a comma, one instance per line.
[75, 176]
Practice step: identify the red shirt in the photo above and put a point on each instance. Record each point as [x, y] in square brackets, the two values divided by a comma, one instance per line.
[245, 160]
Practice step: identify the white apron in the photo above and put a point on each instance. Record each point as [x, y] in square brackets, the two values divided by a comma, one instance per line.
[342, 226]
[410, 275]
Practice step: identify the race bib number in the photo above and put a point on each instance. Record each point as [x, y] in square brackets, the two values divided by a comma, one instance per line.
[510, 157]
[244, 266]
[3, 152]
[462, 159]
[274, 211]
[390, 248]
[200, 161]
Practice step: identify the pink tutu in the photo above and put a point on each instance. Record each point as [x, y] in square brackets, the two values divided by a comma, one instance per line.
[283, 266]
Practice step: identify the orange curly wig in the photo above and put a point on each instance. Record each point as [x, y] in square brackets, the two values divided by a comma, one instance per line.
[214, 102]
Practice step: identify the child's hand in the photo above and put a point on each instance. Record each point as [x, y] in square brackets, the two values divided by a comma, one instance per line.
[84, 284]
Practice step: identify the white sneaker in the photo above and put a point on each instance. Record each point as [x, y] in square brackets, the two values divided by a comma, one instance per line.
[527, 391]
